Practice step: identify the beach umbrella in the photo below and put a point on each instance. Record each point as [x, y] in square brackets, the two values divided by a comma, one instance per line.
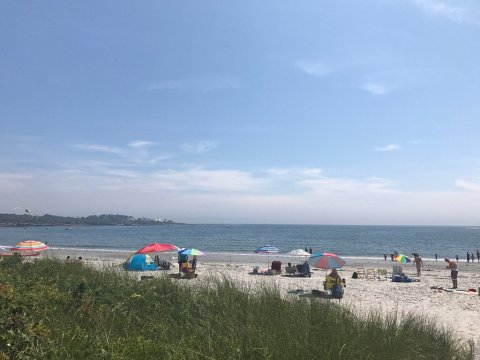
[326, 261]
[299, 252]
[267, 249]
[5, 251]
[402, 258]
[191, 252]
[29, 246]
[156, 247]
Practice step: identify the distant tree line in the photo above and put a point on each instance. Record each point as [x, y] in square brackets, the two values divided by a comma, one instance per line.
[52, 220]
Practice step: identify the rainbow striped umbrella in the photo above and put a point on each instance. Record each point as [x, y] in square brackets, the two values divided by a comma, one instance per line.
[29, 245]
[191, 252]
[402, 258]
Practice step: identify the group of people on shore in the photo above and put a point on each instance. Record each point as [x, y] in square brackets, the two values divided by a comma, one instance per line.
[470, 256]
[185, 265]
[452, 265]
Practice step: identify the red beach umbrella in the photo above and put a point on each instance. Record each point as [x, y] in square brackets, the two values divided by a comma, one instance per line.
[156, 247]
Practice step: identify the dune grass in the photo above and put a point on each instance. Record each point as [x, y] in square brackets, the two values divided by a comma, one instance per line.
[53, 310]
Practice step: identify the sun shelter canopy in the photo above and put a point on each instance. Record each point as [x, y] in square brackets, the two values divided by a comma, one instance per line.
[140, 262]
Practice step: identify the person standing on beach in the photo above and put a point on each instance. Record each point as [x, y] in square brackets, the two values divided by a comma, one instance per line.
[452, 265]
[385, 257]
[436, 257]
[468, 257]
[418, 262]
[478, 256]
[472, 257]
[456, 257]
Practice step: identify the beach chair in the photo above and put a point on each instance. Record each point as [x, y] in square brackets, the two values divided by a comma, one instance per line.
[382, 274]
[277, 267]
[397, 270]
[371, 273]
[361, 273]
[304, 269]
[184, 266]
[190, 275]
[290, 270]
[163, 265]
[330, 282]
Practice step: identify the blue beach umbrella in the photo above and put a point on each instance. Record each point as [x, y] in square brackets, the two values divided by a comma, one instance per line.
[267, 249]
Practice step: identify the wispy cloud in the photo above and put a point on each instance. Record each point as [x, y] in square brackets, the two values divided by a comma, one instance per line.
[136, 151]
[199, 179]
[375, 88]
[198, 84]
[442, 8]
[308, 195]
[328, 185]
[140, 144]
[101, 148]
[199, 147]
[318, 69]
[386, 148]
[467, 185]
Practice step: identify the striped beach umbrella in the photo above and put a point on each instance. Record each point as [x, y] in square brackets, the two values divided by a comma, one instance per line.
[30, 245]
[402, 258]
[267, 249]
[191, 252]
[326, 261]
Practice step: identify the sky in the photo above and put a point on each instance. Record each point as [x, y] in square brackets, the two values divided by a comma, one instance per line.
[272, 112]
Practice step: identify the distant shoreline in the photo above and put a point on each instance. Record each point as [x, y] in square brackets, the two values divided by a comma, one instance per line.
[27, 225]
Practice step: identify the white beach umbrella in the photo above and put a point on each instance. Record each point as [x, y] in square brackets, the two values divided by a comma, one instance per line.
[299, 252]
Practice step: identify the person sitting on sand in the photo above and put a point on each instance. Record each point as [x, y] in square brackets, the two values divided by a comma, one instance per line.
[418, 262]
[332, 279]
[334, 274]
[452, 265]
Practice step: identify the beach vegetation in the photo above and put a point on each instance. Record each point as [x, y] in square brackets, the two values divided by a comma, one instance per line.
[50, 309]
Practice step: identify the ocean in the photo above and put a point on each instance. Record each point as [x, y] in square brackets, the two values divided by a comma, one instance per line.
[347, 241]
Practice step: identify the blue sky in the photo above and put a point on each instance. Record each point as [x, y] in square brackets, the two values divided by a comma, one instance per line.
[304, 112]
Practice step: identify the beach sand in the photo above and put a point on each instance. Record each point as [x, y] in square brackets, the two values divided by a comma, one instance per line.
[456, 311]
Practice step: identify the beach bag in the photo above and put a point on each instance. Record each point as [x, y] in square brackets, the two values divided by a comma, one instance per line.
[355, 275]
[337, 291]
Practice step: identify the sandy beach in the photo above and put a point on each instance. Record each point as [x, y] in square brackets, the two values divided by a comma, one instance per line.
[457, 311]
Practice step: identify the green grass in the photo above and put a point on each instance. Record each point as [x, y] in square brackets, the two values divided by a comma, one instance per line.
[53, 310]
